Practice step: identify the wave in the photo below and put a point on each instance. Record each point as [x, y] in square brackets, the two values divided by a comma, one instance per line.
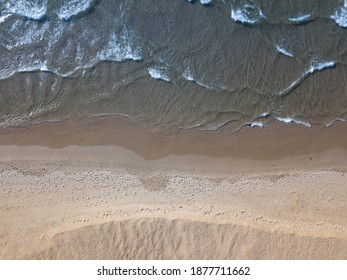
[257, 124]
[301, 18]
[119, 47]
[292, 120]
[158, 73]
[264, 115]
[27, 35]
[334, 121]
[315, 66]
[204, 2]
[4, 18]
[248, 13]
[187, 74]
[73, 8]
[283, 51]
[34, 9]
[41, 66]
[340, 16]
[320, 65]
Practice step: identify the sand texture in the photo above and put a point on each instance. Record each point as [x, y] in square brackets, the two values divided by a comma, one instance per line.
[108, 202]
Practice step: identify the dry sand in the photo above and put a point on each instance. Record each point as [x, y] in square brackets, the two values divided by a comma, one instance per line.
[107, 188]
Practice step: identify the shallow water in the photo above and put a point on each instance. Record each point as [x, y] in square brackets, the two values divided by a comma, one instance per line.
[178, 62]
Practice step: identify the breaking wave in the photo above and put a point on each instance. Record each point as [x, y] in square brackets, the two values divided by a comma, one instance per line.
[301, 18]
[72, 8]
[246, 13]
[315, 66]
[284, 51]
[340, 16]
[158, 73]
[74, 56]
[34, 9]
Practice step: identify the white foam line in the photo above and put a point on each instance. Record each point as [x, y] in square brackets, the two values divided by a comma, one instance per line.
[291, 86]
[313, 68]
[282, 50]
[291, 120]
[264, 115]
[320, 66]
[257, 124]
[204, 85]
[27, 9]
[334, 121]
[300, 18]
[3, 18]
[73, 8]
[340, 16]
[44, 68]
[188, 75]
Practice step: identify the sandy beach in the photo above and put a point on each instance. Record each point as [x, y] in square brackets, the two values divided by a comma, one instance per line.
[110, 188]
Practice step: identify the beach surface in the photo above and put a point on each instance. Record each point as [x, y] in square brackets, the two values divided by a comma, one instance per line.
[111, 188]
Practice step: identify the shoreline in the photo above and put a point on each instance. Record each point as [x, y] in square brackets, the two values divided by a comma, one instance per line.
[274, 141]
[73, 189]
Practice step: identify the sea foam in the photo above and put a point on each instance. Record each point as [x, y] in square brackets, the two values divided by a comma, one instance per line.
[248, 13]
[34, 9]
[301, 18]
[158, 74]
[204, 2]
[257, 124]
[4, 18]
[73, 8]
[320, 65]
[121, 47]
[264, 115]
[187, 74]
[316, 66]
[283, 51]
[340, 16]
[334, 121]
[291, 120]
[27, 34]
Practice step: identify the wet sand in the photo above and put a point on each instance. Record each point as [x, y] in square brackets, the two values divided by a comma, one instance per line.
[110, 188]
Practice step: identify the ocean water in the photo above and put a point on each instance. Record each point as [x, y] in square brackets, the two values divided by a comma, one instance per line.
[189, 64]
